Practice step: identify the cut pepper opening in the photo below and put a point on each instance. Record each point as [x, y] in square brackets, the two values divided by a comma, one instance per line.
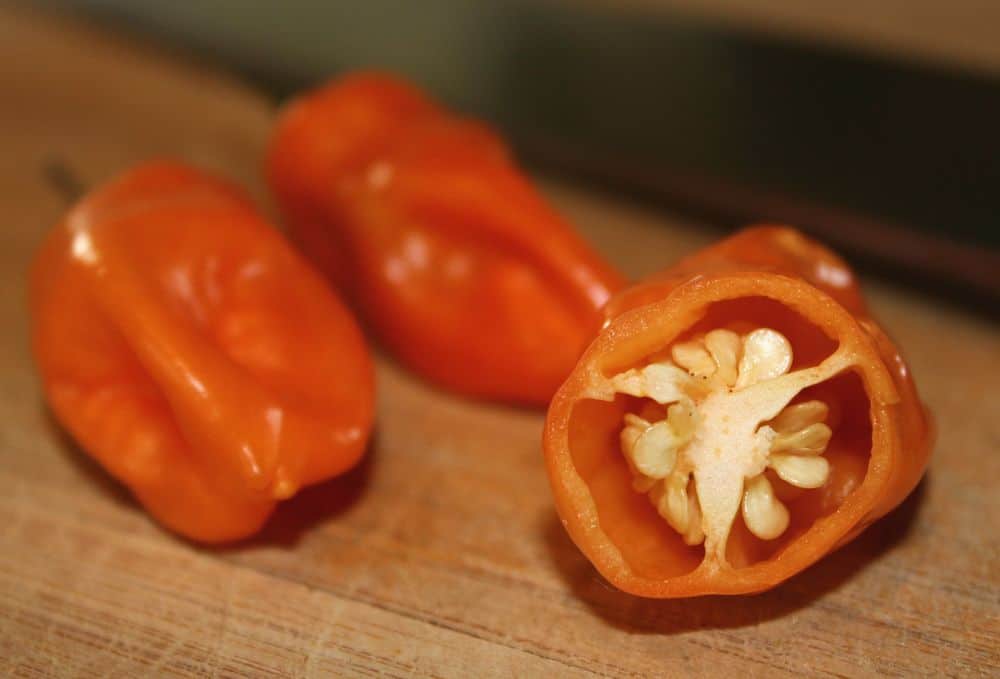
[732, 436]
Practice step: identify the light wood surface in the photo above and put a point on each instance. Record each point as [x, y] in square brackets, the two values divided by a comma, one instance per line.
[441, 555]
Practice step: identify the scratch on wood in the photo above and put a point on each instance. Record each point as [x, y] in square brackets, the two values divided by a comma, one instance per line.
[227, 605]
[326, 625]
[62, 179]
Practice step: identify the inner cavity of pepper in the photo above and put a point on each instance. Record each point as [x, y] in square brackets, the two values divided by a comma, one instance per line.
[629, 520]
[717, 435]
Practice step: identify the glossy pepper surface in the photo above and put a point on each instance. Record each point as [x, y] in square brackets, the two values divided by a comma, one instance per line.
[194, 354]
[446, 249]
[739, 416]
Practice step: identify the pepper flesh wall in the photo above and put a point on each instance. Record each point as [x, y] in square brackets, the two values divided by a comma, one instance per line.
[759, 449]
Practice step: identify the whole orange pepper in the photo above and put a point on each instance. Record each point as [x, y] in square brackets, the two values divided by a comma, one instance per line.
[194, 354]
[446, 249]
[739, 416]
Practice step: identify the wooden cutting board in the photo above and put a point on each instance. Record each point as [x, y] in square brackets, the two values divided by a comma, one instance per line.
[441, 554]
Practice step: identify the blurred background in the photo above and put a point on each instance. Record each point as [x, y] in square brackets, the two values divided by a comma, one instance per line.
[872, 124]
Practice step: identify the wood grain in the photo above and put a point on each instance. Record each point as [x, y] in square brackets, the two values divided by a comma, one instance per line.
[441, 555]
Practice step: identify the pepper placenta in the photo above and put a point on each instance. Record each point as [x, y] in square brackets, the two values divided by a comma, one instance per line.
[445, 248]
[739, 416]
[194, 354]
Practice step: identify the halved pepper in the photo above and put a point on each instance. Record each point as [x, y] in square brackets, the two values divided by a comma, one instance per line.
[445, 248]
[191, 351]
[739, 416]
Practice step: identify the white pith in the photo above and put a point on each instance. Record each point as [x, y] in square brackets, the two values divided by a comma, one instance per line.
[727, 421]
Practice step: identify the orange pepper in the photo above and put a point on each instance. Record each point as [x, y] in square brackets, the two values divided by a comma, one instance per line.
[443, 245]
[194, 354]
[739, 416]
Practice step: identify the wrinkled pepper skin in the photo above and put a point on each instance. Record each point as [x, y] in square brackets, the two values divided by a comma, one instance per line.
[192, 352]
[445, 248]
[773, 276]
